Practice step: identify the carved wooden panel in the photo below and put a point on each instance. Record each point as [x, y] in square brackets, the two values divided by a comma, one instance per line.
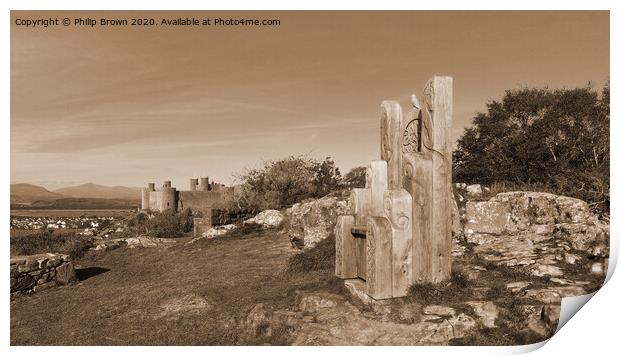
[397, 206]
[378, 254]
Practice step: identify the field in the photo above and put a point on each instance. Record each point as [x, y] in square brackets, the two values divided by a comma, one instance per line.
[196, 294]
[70, 213]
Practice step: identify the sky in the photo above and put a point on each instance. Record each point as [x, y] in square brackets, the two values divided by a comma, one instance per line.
[136, 104]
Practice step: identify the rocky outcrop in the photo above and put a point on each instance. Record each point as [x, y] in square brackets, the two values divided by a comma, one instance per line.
[533, 229]
[267, 219]
[314, 221]
[321, 318]
[39, 272]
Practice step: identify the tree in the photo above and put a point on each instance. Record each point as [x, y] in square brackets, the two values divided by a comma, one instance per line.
[559, 138]
[287, 181]
[327, 177]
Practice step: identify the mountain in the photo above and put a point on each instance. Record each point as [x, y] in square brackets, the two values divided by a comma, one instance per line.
[91, 190]
[23, 193]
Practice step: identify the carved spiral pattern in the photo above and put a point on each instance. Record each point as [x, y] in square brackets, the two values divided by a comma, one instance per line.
[411, 137]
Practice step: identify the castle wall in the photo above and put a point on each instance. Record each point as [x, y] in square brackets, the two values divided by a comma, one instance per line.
[198, 200]
[154, 198]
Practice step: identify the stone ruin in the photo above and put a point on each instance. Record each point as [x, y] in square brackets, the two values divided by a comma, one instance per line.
[398, 231]
[35, 273]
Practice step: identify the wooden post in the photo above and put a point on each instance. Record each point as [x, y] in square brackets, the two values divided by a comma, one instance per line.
[391, 142]
[359, 205]
[379, 254]
[377, 181]
[345, 248]
[437, 106]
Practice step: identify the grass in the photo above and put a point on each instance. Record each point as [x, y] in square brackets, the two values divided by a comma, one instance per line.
[127, 301]
[65, 241]
[456, 290]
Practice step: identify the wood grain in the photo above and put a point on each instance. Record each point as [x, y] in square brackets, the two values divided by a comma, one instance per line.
[378, 253]
[397, 206]
[391, 141]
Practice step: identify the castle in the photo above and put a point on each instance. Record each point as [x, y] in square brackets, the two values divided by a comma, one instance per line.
[209, 202]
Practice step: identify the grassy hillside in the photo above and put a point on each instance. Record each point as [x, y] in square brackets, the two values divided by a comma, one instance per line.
[91, 190]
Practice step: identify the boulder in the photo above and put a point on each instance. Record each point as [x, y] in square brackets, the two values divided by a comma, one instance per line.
[267, 219]
[313, 221]
[218, 230]
[65, 273]
[486, 311]
[474, 189]
[487, 217]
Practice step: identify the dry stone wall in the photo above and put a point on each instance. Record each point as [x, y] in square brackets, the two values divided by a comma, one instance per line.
[39, 272]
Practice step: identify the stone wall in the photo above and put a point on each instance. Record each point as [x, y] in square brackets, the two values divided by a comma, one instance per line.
[39, 272]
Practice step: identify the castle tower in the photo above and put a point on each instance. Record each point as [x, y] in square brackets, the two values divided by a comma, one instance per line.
[167, 184]
[193, 183]
[151, 187]
[204, 184]
[146, 192]
[168, 198]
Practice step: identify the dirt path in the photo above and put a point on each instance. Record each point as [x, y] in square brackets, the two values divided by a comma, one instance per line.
[184, 295]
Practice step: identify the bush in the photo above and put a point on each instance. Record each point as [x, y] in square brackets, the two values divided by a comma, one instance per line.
[186, 220]
[53, 241]
[355, 178]
[164, 224]
[282, 183]
[557, 138]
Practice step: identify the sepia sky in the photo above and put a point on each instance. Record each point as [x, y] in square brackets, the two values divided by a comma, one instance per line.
[131, 105]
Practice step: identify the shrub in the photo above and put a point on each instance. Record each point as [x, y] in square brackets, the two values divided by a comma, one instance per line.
[53, 241]
[287, 181]
[557, 138]
[186, 220]
[164, 224]
[355, 178]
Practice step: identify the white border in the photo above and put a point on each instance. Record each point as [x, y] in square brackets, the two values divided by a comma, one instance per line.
[591, 330]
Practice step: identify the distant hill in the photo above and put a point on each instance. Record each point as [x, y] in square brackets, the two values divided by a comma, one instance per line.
[23, 193]
[91, 190]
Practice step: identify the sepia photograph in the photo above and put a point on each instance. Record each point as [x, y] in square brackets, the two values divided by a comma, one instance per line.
[305, 178]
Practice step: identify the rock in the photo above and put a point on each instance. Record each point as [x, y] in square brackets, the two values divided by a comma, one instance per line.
[267, 219]
[218, 231]
[535, 320]
[440, 310]
[461, 325]
[487, 311]
[312, 303]
[461, 185]
[571, 259]
[457, 228]
[542, 229]
[546, 270]
[313, 221]
[487, 217]
[258, 317]
[44, 286]
[65, 273]
[474, 189]
[516, 287]
[597, 269]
